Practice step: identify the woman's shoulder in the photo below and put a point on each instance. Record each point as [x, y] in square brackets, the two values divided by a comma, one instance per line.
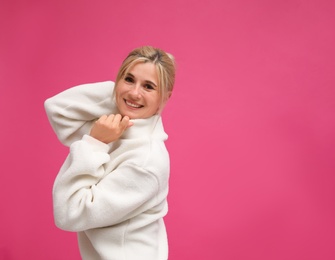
[150, 154]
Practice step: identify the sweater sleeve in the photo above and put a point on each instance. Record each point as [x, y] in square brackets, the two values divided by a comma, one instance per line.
[72, 112]
[86, 197]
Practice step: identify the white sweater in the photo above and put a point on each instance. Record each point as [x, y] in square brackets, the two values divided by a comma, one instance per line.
[113, 195]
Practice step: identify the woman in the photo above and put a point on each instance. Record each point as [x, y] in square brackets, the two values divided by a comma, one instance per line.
[112, 187]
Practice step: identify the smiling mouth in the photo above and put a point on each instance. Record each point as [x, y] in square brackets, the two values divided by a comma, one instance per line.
[128, 103]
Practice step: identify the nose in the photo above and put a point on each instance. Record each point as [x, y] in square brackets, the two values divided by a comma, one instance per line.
[135, 91]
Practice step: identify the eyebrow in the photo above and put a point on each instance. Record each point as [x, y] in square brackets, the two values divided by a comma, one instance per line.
[146, 81]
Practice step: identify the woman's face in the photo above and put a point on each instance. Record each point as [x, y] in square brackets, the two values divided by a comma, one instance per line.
[137, 94]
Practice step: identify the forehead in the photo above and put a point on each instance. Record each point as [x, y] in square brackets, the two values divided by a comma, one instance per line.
[145, 71]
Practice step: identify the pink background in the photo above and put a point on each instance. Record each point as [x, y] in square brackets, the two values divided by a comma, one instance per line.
[251, 122]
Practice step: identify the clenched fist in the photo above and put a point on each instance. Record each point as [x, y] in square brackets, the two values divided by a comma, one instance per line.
[109, 128]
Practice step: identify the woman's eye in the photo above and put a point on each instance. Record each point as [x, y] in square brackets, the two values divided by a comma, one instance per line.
[148, 86]
[129, 79]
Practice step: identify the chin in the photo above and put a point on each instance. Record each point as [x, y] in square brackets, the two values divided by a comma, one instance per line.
[130, 115]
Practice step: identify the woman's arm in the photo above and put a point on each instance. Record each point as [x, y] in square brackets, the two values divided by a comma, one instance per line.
[85, 197]
[72, 112]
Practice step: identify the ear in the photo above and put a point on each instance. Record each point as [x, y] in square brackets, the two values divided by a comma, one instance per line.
[161, 107]
[168, 95]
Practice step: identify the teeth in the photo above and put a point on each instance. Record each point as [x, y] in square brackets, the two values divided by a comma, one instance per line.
[132, 105]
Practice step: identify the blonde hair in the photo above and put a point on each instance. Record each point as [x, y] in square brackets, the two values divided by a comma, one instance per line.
[165, 67]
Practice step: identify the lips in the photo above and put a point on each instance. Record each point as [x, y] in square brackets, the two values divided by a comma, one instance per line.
[131, 104]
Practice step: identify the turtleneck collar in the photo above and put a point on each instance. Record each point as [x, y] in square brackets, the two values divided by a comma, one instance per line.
[149, 127]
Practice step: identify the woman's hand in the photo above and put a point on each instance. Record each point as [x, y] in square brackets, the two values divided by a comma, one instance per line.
[109, 128]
